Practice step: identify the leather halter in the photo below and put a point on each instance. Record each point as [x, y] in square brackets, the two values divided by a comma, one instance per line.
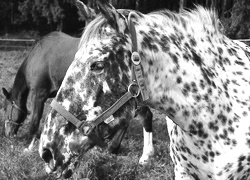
[137, 82]
[14, 105]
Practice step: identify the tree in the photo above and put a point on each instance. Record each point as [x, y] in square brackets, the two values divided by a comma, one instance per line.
[49, 15]
[8, 9]
[237, 25]
[44, 11]
[5, 14]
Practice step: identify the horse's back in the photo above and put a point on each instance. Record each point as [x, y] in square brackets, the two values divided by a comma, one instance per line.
[49, 60]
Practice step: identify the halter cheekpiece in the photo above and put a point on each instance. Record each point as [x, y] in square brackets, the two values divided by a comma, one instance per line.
[135, 88]
[9, 120]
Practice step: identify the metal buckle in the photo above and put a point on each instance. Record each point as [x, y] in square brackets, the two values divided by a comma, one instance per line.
[88, 125]
[134, 94]
[89, 132]
[136, 59]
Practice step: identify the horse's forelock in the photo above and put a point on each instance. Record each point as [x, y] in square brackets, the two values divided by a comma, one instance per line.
[92, 30]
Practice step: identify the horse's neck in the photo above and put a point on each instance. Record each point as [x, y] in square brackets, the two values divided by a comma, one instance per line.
[161, 61]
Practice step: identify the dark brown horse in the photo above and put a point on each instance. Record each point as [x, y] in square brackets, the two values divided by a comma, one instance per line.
[40, 76]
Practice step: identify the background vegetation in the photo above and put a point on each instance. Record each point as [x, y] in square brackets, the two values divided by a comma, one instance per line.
[38, 17]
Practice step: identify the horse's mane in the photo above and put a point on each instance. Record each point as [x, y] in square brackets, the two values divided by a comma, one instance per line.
[206, 16]
[205, 20]
[198, 18]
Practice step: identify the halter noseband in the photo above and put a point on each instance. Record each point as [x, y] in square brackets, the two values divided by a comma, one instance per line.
[14, 105]
[135, 88]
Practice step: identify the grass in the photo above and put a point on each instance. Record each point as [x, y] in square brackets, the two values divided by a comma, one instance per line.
[95, 165]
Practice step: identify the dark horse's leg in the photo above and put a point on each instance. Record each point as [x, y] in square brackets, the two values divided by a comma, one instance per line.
[145, 116]
[37, 98]
[115, 145]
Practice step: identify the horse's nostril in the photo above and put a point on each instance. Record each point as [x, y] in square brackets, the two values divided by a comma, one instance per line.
[47, 155]
[67, 174]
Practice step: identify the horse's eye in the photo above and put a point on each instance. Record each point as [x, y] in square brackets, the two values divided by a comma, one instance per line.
[97, 66]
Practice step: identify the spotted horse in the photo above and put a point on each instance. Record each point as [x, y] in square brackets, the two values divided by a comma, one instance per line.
[182, 65]
[41, 75]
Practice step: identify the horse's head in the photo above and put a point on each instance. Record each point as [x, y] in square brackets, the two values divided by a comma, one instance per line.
[14, 114]
[99, 75]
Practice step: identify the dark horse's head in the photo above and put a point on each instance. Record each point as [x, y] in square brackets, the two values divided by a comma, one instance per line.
[16, 99]
[99, 75]
[15, 113]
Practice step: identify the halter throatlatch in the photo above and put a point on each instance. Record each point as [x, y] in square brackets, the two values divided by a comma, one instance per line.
[135, 88]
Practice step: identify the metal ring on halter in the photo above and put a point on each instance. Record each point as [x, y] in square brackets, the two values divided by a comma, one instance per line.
[90, 125]
[131, 92]
[135, 57]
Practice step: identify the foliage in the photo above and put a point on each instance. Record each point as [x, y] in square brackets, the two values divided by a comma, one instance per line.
[52, 11]
[5, 7]
[237, 26]
[49, 15]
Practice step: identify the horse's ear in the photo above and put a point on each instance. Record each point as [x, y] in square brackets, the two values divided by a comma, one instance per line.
[85, 12]
[6, 93]
[114, 18]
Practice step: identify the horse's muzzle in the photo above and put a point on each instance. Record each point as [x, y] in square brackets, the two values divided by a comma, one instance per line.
[51, 166]
[48, 159]
[9, 129]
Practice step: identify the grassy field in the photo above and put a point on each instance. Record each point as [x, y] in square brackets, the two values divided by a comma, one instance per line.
[95, 165]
